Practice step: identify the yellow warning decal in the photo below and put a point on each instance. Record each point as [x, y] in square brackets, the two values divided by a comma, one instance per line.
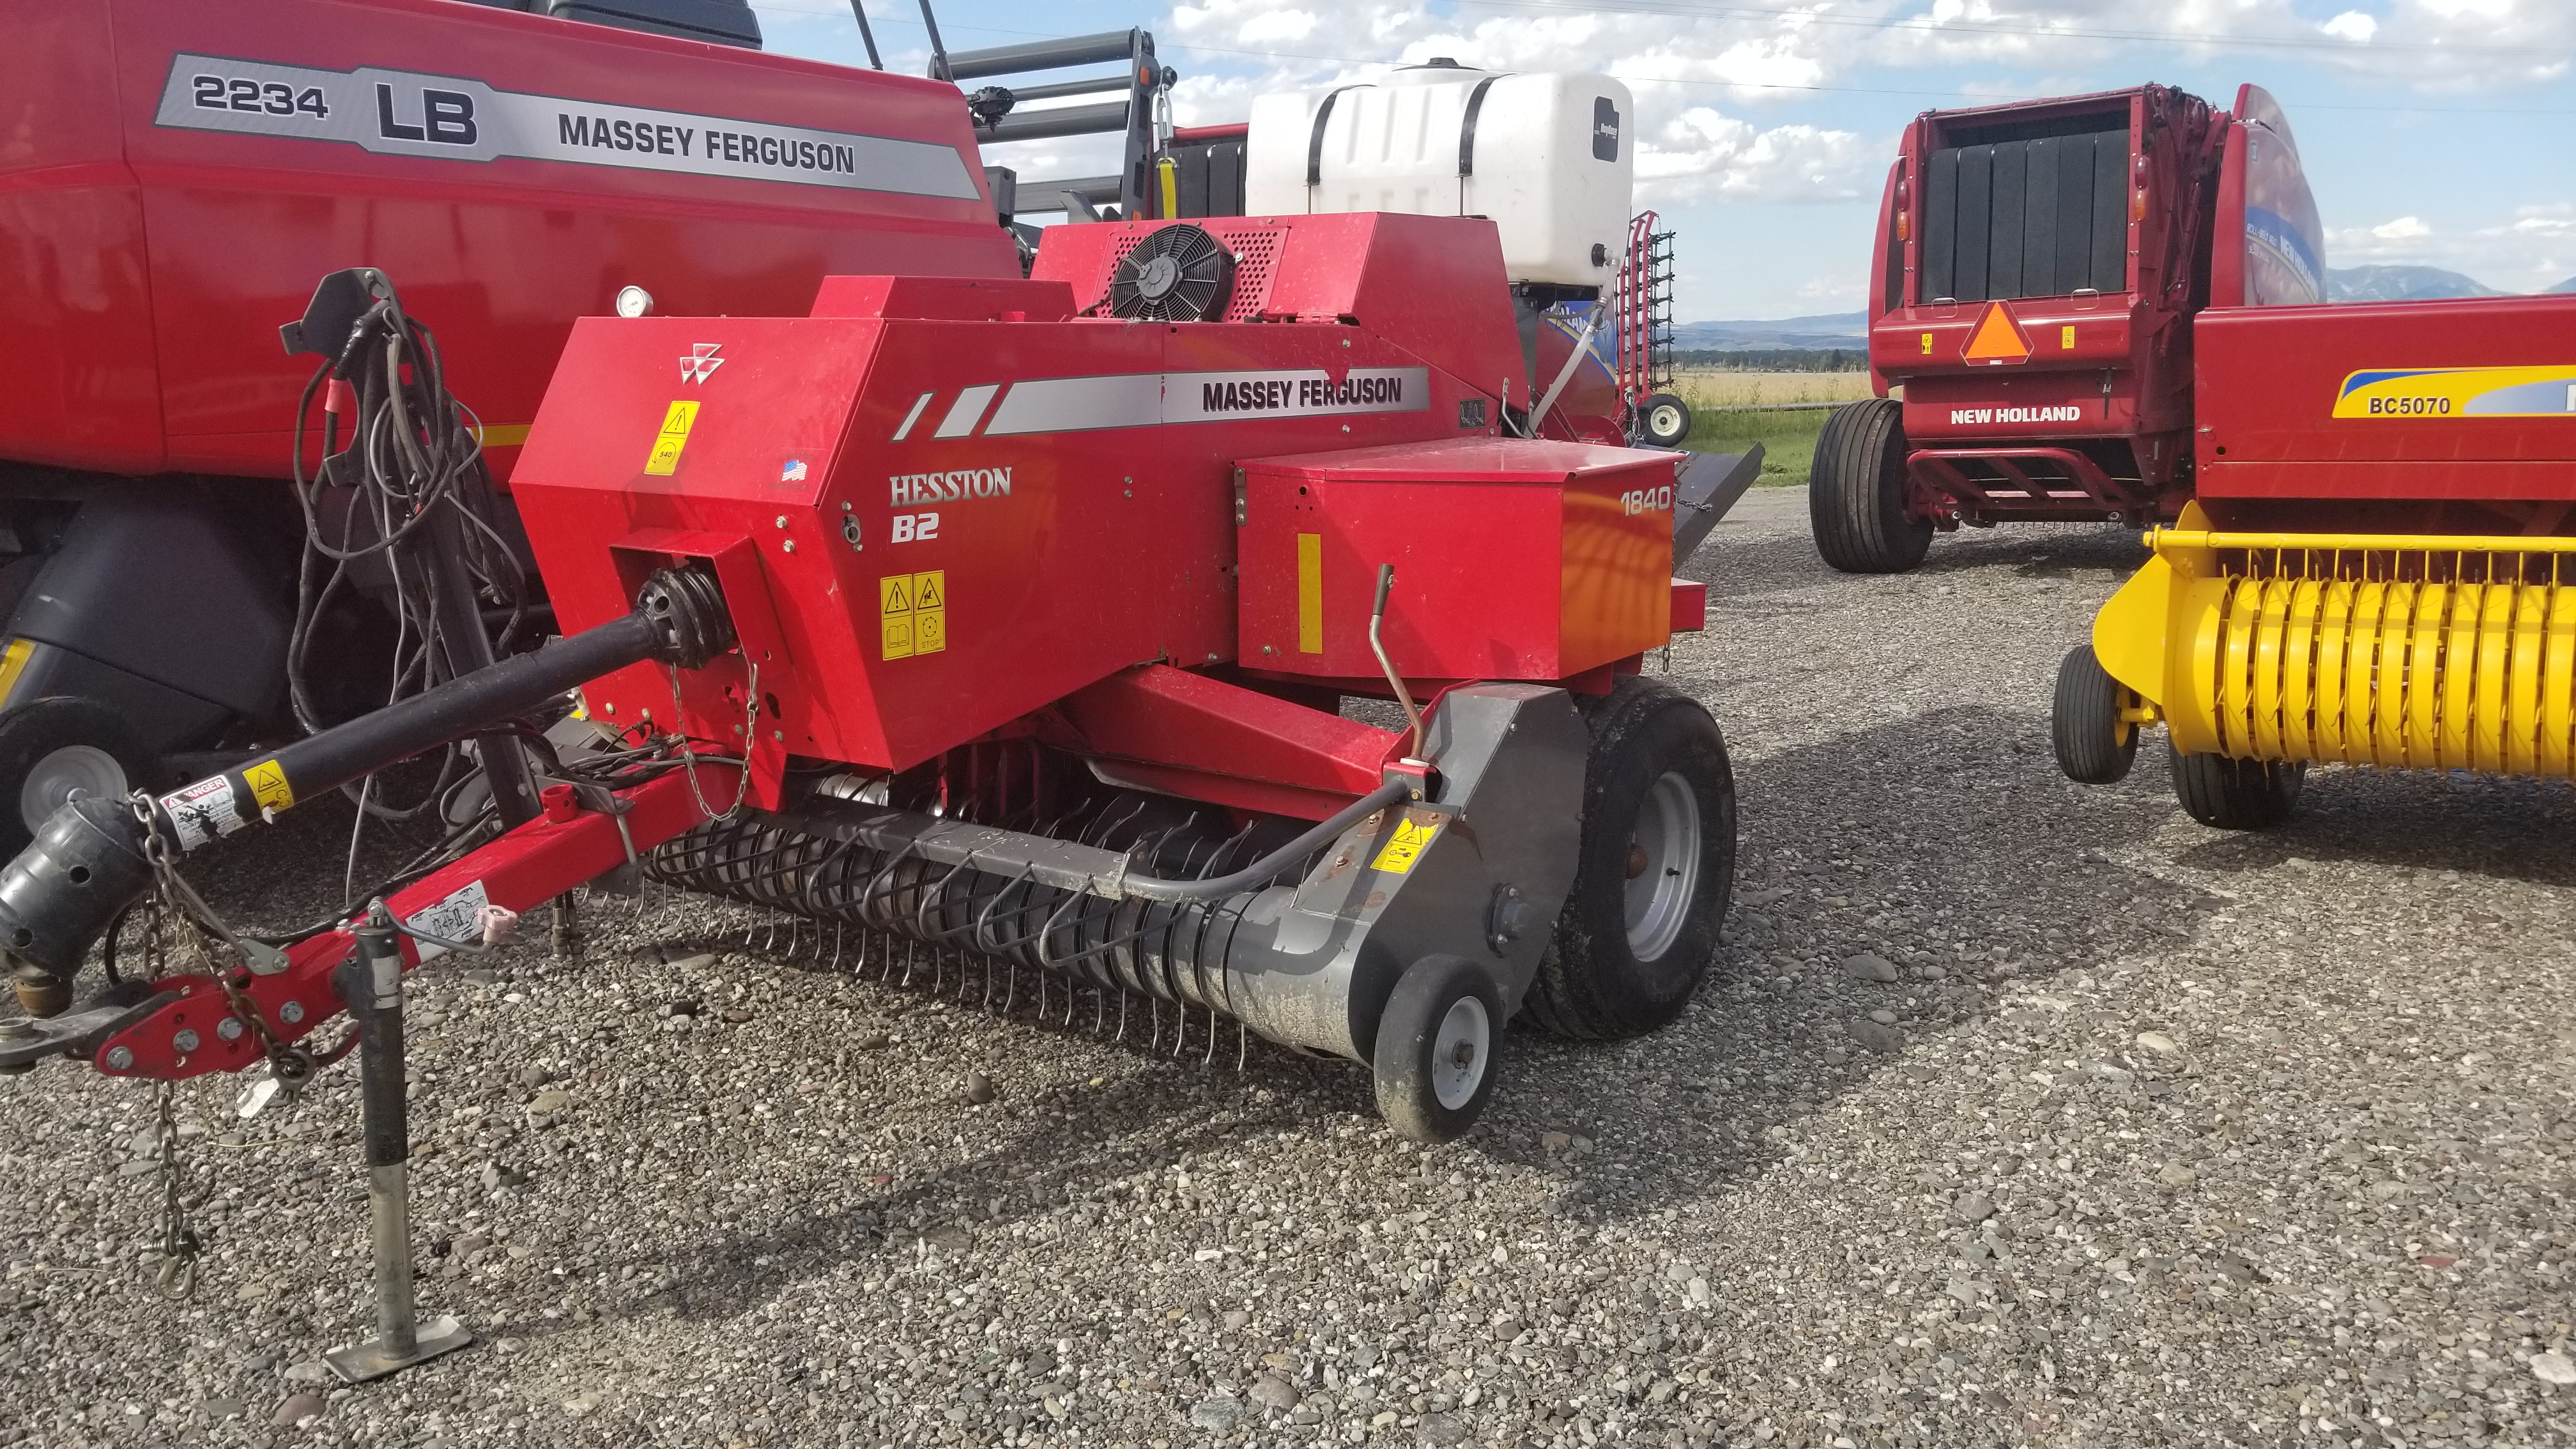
[665, 459]
[930, 611]
[2066, 337]
[500, 435]
[1412, 836]
[2457, 392]
[13, 662]
[268, 785]
[912, 613]
[1998, 338]
[1310, 593]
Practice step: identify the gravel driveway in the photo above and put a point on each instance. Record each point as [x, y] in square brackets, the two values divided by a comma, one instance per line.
[2015, 1113]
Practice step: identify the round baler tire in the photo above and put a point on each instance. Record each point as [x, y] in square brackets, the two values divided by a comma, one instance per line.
[1653, 748]
[2094, 746]
[1856, 491]
[61, 725]
[2232, 794]
[1438, 1044]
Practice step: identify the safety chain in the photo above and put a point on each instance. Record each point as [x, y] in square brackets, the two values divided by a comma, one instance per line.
[689, 758]
[179, 1246]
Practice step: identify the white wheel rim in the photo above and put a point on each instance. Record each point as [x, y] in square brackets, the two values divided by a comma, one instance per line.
[1459, 1051]
[71, 770]
[1663, 866]
[1665, 421]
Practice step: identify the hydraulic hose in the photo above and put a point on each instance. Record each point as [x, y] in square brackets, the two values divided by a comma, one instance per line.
[1272, 866]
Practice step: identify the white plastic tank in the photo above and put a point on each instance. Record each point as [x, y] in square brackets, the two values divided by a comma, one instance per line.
[1545, 156]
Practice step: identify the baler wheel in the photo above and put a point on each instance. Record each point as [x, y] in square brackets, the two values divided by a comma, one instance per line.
[1655, 867]
[55, 746]
[1436, 1041]
[2232, 794]
[1856, 491]
[1663, 420]
[2095, 746]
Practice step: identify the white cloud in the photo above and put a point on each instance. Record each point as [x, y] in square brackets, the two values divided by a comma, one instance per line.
[2352, 25]
[2536, 250]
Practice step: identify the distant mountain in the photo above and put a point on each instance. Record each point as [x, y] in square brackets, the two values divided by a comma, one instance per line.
[1835, 329]
[2401, 284]
[2566, 286]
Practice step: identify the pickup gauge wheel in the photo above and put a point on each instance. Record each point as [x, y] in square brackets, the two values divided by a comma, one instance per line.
[1434, 1056]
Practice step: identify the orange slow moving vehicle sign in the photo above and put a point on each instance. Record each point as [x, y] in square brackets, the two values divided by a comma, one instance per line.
[1998, 340]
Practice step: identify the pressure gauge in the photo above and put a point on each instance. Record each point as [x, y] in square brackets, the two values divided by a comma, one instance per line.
[634, 302]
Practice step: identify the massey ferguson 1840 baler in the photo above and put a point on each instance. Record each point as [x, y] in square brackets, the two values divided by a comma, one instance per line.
[2379, 567]
[2033, 281]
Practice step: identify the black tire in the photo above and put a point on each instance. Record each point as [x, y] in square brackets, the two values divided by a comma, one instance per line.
[1856, 491]
[1663, 420]
[39, 745]
[1598, 979]
[2231, 794]
[2094, 745]
[1437, 1047]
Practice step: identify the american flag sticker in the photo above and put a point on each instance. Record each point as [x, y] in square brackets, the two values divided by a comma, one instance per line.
[792, 471]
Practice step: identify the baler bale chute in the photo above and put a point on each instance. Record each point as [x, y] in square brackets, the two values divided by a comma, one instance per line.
[2036, 270]
[2379, 568]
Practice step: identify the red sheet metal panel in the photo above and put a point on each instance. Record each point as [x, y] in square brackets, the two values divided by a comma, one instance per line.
[2469, 400]
[199, 167]
[963, 521]
[1514, 559]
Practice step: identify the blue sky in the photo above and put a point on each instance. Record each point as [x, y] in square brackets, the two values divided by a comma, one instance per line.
[2440, 132]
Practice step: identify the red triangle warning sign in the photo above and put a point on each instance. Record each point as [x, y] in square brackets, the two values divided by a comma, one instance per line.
[1998, 340]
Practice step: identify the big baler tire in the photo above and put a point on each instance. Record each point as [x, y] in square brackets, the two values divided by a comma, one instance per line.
[2232, 794]
[1625, 957]
[1856, 491]
[1436, 1046]
[2094, 745]
[52, 744]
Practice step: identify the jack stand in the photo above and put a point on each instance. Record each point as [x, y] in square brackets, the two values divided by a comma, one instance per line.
[567, 929]
[371, 984]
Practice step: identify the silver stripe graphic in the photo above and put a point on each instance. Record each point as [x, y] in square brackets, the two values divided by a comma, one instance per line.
[1080, 404]
[1147, 399]
[967, 411]
[912, 417]
[407, 113]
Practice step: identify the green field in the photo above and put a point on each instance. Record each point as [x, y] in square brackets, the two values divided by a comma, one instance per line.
[1787, 436]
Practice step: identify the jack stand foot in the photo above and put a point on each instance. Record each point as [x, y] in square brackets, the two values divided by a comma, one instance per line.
[371, 984]
[375, 1359]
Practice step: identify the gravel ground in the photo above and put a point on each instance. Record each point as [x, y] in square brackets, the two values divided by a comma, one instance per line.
[2015, 1113]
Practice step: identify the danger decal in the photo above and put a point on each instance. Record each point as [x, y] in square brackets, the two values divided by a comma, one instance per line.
[1981, 417]
[1413, 835]
[404, 113]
